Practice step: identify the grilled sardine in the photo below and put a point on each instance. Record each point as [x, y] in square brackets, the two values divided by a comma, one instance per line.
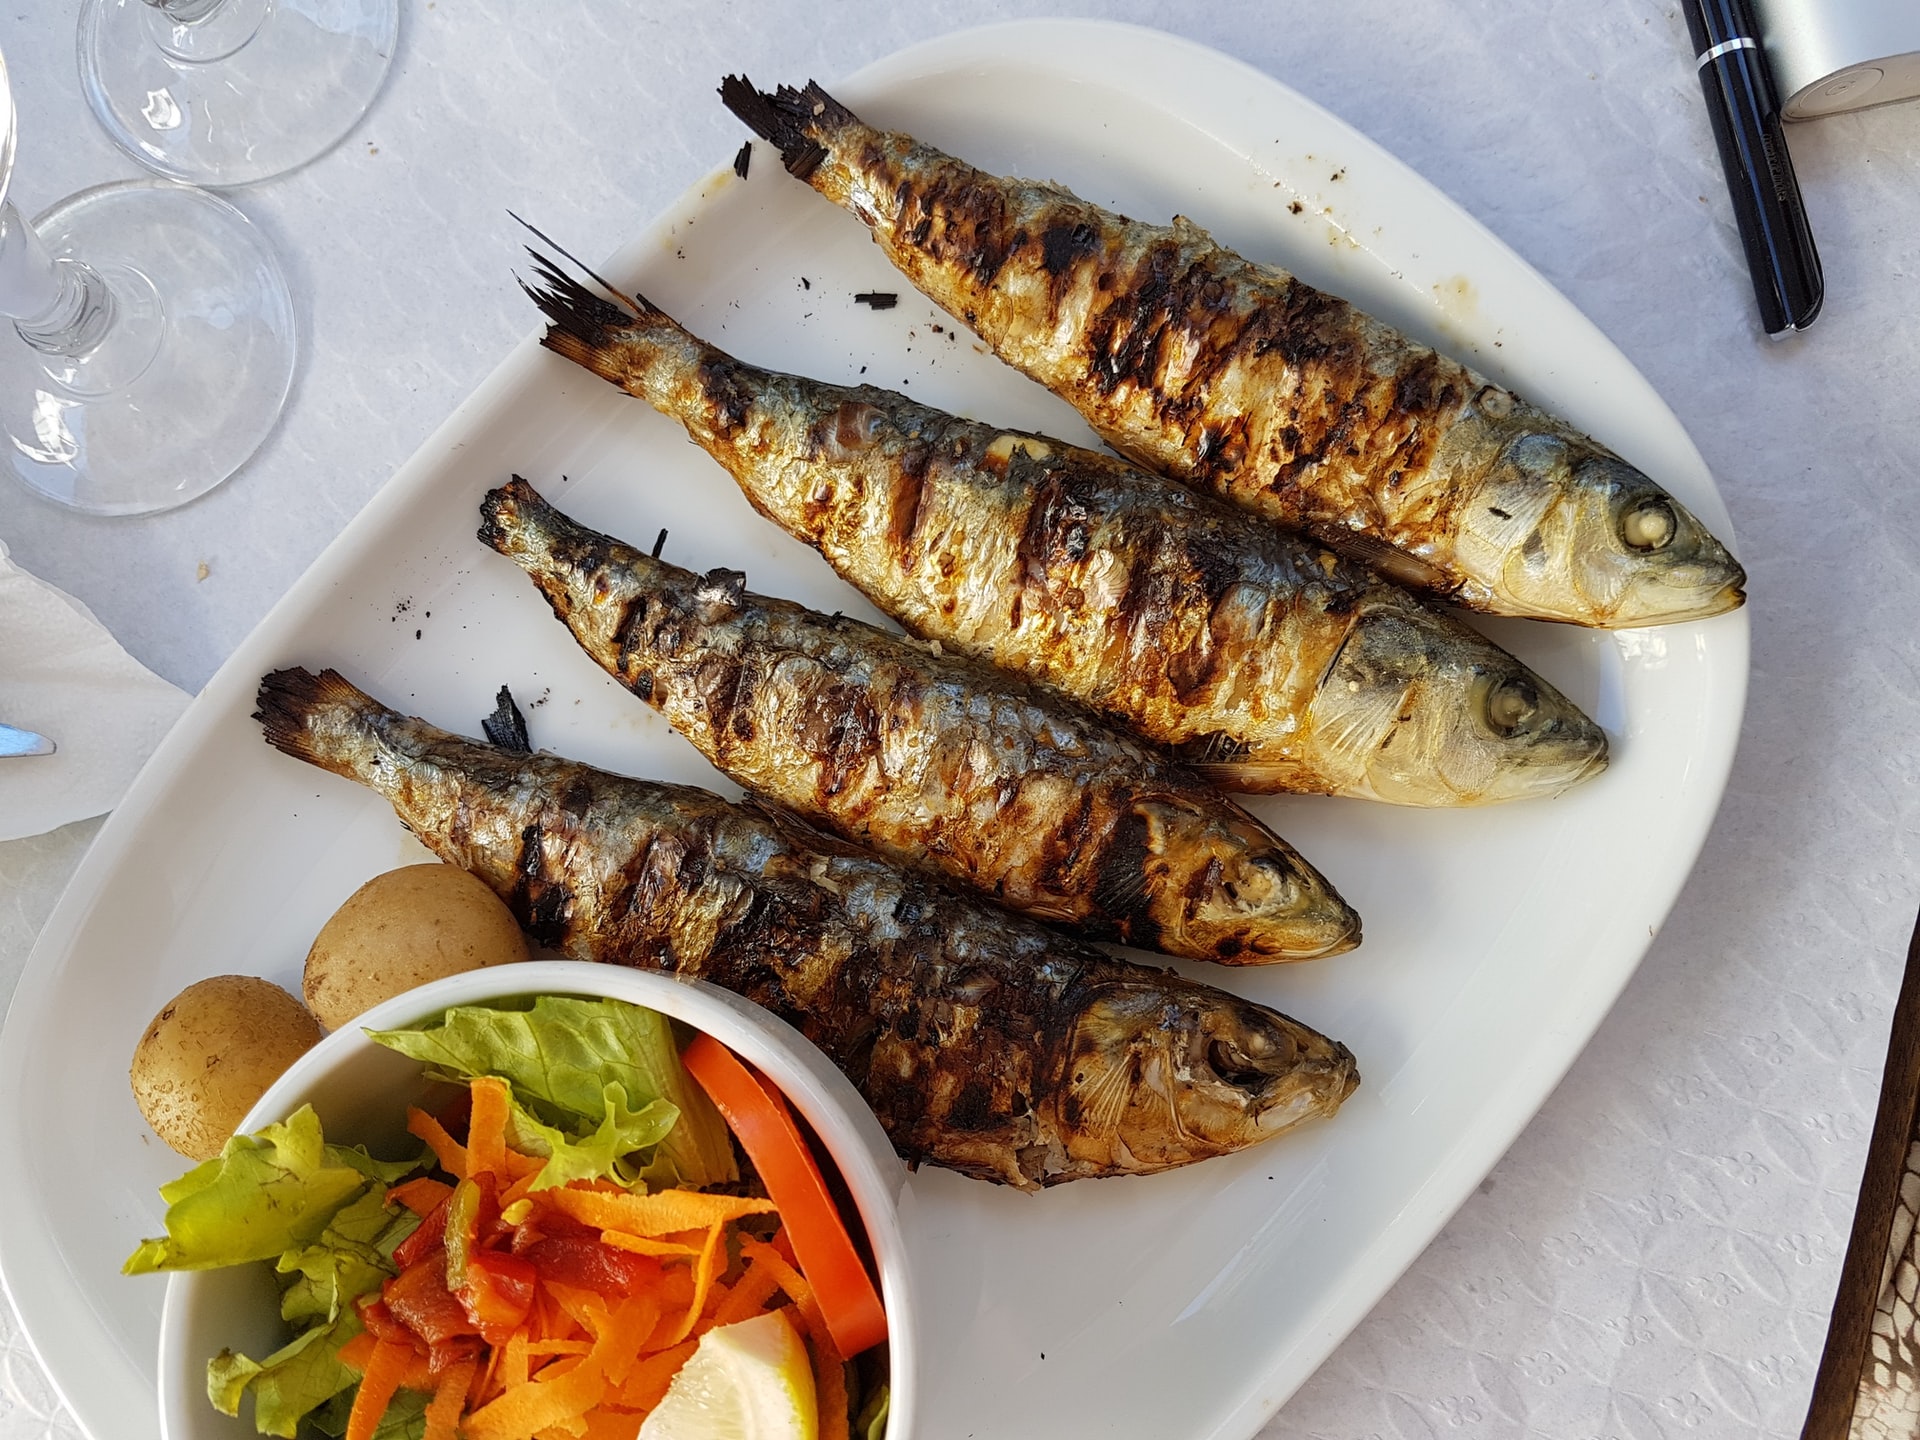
[935, 761]
[1242, 380]
[1268, 661]
[984, 1042]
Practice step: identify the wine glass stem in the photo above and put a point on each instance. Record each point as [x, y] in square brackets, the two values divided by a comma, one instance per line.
[60, 307]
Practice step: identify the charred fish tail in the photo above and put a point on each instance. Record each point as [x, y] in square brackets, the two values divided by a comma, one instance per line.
[791, 119]
[322, 719]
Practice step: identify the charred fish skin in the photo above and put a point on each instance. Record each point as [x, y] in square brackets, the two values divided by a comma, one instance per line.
[1243, 380]
[1263, 659]
[985, 1043]
[933, 761]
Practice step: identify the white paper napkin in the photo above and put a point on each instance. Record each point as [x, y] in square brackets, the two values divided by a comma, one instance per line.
[63, 675]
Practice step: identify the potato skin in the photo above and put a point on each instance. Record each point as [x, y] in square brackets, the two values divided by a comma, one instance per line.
[402, 929]
[210, 1053]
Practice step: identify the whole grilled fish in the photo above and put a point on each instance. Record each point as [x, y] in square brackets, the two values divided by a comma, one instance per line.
[984, 1042]
[1265, 659]
[933, 760]
[1242, 380]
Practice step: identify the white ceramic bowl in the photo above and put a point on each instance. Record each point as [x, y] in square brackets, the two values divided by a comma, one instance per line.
[361, 1091]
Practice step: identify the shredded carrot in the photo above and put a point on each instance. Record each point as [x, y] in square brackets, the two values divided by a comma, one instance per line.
[558, 1347]
[605, 1424]
[640, 1245]
[552, 1399]
[702, 1282]
[539, 1404]
[487, 1130]
[449, 1399]
[628, 1327]
[514, 1372]
[647, 1382]
[451, 1154]
[422, 1196]
[358, 1351]
[829, 1368]
[653, 1216]
[830, 1392]
[385, 1368]
[748, 1297]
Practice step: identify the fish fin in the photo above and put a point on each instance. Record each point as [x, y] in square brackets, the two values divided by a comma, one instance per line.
[291, 700]
[791, 119]
[1388, 560]
[506, 727]
[1249, 777]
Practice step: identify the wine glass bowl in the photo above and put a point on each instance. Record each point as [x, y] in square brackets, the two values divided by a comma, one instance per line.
[227, 92]
[147, 346]
[191, 374]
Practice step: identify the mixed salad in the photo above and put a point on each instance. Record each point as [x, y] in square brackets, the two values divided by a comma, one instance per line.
[599, 1238]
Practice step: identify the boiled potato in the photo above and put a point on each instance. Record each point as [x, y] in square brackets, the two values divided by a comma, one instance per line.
[402, 929]
[211, 1053]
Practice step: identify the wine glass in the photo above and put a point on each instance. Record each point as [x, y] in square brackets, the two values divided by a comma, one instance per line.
[148, 345]
[227, 92]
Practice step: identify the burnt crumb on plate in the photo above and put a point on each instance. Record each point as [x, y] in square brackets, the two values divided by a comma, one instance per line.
[743, 159]
[878, 299]
[506, 727]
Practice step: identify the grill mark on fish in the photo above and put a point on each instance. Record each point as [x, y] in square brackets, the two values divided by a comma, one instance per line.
[936, 760]
[670, 877]
[1081, 572]
[1166, 342]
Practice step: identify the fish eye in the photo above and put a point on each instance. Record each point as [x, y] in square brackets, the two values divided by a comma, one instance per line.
[1510, 704]
[1649, 525]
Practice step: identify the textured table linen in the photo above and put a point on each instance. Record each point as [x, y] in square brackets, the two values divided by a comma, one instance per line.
[1656, 1254]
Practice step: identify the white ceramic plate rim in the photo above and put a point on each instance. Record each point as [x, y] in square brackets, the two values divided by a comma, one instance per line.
[1226, 100]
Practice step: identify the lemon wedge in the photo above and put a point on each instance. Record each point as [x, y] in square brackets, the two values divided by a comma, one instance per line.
[749, 1381]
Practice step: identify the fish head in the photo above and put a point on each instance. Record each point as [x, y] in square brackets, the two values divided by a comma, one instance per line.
[1564, 530]
[1165, 1072]
[1250, 899]
[1418, 709]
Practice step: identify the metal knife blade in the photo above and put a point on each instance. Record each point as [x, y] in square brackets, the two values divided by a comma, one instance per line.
[23, 742]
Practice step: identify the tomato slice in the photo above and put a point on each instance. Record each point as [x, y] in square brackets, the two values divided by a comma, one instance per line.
[758, 1114]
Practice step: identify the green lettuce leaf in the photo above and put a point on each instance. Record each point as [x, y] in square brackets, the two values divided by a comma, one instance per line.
[560, 1055]
[261, 1196]
[601, 1153]
[406, 1417]
[287, 1384]
[351, 1258]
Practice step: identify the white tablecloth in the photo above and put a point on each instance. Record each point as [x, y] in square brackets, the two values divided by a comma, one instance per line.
[1657, 1253]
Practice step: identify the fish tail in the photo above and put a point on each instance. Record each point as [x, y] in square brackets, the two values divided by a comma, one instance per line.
[507, 513]
[586, 327]
[791, 119]
[317, 718]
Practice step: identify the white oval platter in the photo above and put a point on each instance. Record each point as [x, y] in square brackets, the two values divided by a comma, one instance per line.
[1189, 1304]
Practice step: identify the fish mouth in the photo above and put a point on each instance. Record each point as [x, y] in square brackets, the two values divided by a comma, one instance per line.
[1728, 597]
[1346, 937]
[1313, 1089]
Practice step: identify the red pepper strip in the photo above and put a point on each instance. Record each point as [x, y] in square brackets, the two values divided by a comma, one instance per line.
[430, 1236]
[849, 1304]
[453, 1352]
[382, 1324]
[585, 1263]
[419, 1299]
[498, 1293]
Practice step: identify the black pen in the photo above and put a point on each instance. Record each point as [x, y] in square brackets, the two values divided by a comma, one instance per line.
[1766, 198]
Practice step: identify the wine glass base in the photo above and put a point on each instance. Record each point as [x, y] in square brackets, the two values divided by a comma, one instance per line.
[215, 375]
[258, 88]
